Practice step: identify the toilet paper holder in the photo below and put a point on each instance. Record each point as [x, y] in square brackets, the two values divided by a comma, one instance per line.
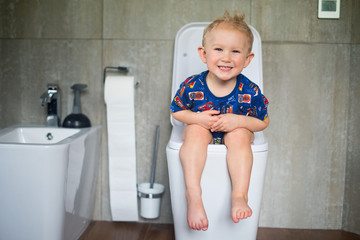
[120, 69]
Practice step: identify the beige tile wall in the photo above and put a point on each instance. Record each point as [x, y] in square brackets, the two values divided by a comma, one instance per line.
[351, 213]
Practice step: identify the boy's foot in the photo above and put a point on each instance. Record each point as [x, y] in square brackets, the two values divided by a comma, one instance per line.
[240, 208]
[196, 215]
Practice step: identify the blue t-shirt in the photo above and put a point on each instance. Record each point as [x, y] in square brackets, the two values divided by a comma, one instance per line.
[245, 99]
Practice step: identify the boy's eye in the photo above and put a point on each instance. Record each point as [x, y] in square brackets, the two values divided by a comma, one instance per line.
[236, 51]
[218, 49]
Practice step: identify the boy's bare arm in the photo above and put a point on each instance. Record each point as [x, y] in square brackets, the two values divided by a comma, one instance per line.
[229, 122]
[205, 119]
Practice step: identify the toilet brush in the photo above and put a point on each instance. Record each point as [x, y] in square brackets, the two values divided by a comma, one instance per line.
[153, 165]
[150, 193]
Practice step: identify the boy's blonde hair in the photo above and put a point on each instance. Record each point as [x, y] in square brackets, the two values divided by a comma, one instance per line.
[236, 21]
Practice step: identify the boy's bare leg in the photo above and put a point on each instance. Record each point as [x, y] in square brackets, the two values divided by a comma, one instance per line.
[193, 156]
[239, 160]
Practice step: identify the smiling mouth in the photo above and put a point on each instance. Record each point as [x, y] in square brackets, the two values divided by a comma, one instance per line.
[225, 68]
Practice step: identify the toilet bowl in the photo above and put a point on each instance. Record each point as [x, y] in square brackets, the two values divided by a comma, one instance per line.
[215, 181]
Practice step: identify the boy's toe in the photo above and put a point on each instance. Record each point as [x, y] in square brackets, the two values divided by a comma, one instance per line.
[204, 225]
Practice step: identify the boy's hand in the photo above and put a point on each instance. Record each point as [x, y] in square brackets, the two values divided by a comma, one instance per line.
[208, 118]
[226, 123]
[229, 121]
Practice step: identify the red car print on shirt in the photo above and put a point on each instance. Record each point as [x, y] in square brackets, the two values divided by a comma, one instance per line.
[207, 106]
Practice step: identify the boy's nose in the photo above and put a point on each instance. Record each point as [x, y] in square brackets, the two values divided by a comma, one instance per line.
[226, 57]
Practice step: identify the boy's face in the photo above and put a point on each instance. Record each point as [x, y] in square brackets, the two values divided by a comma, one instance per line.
[226, 52]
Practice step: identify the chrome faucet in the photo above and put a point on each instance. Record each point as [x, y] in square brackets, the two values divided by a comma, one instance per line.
[52, 97]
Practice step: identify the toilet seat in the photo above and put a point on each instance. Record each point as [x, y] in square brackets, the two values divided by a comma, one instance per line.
[215, 182]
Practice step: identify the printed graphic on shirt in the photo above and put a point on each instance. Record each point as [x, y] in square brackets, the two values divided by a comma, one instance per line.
[189, 79]
[179, 103]
[226, 109]
[266, 102]
[255, 88]
[241, 86]
[244, 98]
[191, 85]
[251, 112]
[207, 106]
[182, 91]
[201, 81]
[196, 95]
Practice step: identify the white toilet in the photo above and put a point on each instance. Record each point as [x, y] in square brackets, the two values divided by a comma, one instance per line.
[215, 183]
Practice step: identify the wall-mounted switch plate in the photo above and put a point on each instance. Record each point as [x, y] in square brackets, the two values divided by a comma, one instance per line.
[329, 9]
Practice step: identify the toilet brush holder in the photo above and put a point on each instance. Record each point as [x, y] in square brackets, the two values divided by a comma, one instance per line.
[150, 199]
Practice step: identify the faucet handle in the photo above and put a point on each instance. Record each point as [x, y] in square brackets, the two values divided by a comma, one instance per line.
[46, 96]
[53, 86]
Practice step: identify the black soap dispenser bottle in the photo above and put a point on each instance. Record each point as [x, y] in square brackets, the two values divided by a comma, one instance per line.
[76, 119]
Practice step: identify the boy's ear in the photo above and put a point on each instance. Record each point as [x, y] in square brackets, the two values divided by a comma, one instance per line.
[202, 54]
[248, 59]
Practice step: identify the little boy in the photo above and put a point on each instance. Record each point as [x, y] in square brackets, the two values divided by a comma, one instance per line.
[220, 106]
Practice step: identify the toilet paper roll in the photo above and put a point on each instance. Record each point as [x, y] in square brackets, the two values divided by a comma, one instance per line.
[119, 99]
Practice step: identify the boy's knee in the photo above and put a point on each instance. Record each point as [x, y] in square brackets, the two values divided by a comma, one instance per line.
[239, 136]
[197, 133]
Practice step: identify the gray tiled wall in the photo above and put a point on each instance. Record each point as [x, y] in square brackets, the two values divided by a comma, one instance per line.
[310, 77]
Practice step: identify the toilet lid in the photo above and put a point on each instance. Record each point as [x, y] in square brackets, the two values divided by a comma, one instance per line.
[187, 61]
